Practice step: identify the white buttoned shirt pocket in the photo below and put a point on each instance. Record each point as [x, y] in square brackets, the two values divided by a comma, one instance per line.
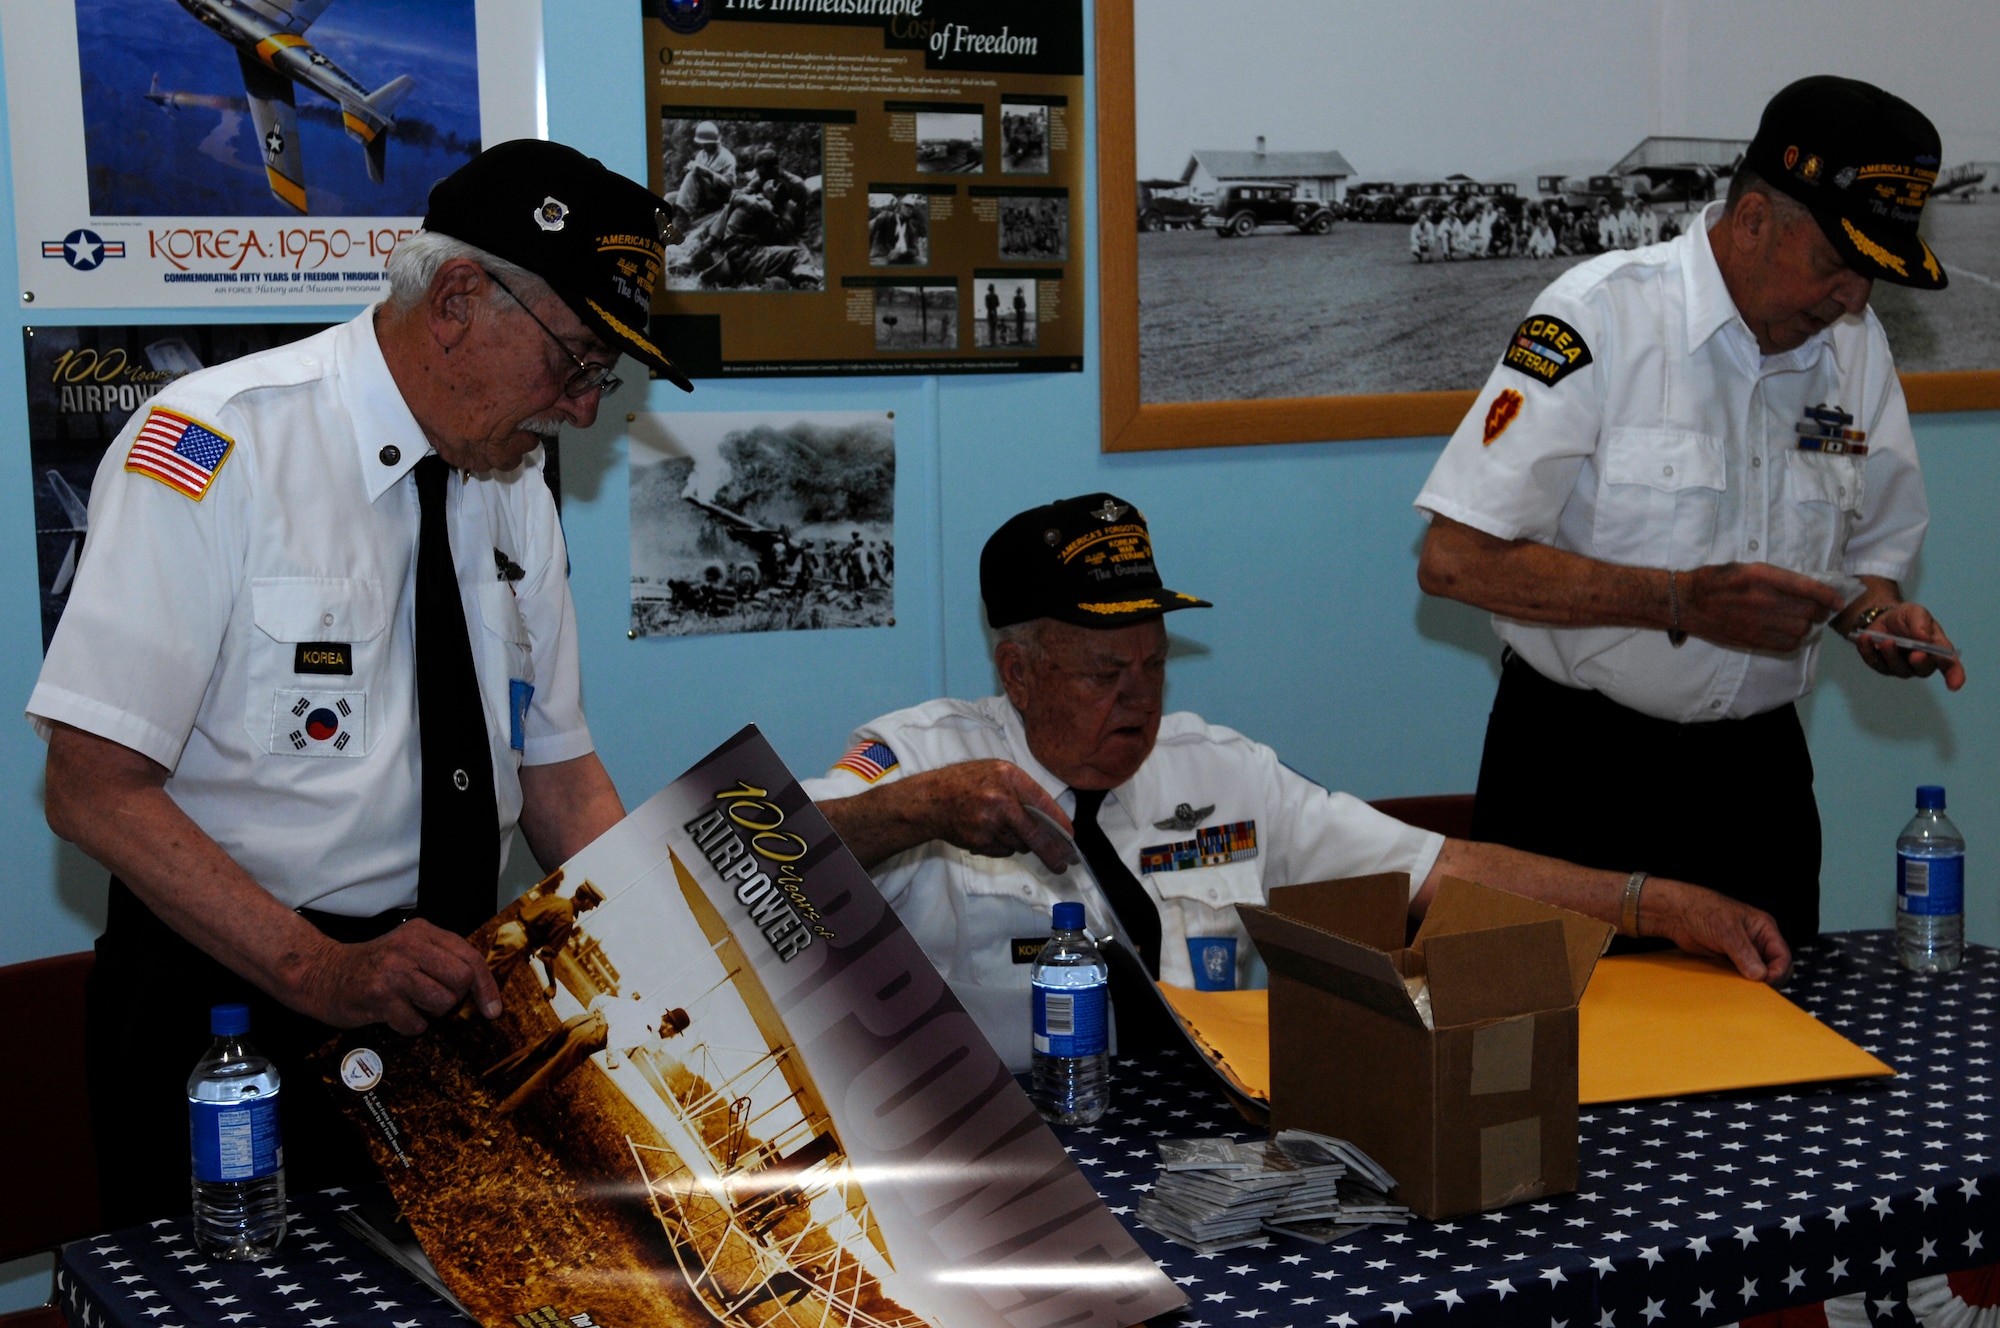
[505, 658]
[295, 611]
[1201, 901]
[1659, 496]
[1823, 493]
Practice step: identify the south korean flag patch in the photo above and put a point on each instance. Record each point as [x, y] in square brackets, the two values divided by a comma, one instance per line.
[318, 723]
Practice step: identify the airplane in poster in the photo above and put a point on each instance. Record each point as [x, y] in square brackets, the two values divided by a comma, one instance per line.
[269, 37]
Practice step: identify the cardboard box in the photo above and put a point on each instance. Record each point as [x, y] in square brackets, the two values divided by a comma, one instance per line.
[1477, 1112]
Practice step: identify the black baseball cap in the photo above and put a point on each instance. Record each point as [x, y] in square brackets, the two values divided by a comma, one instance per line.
[589, 232]
[1087, 561]
[1863, 162]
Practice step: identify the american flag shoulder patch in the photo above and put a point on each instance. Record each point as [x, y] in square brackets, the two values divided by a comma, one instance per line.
[179, 451]
[871, 760]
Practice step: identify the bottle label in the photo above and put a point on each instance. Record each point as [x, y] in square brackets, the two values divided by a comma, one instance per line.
[235, 1140]
[1069, 1021]
[1930, 887]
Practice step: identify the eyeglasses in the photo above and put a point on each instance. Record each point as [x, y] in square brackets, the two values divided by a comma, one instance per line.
[585, 378]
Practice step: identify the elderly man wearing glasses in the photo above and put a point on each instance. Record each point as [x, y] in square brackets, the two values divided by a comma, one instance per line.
[320, 658]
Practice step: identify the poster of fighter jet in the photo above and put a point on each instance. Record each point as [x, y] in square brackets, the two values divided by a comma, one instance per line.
[196, 152]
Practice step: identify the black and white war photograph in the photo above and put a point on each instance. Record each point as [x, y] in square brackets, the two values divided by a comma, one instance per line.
[1340, 198]
[899, 229]
[1035, 227]
[1006, 309]
[1024, 138]
[754, 522]
[747, 196]
[919, 316]
[951, 142]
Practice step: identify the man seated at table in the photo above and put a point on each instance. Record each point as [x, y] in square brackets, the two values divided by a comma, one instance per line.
[1180, 820]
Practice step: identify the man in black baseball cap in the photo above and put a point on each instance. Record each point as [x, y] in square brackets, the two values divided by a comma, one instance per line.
[959, 808]
[384, 560]
[1689, 474]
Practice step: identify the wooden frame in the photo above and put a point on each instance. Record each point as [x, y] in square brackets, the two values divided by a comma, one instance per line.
[1130, 426]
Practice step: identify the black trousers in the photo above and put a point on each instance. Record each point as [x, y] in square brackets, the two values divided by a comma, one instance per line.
[1729, 805]
[145, 1026]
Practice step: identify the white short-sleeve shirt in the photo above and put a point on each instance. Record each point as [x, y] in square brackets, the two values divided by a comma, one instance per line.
[1657, 435]
[1236, 820]
[211, 635]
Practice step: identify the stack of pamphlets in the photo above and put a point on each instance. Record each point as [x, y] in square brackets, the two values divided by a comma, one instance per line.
[1214, 1194]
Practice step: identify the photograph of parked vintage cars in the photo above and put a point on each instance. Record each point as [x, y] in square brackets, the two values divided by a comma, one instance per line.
[1293, 239]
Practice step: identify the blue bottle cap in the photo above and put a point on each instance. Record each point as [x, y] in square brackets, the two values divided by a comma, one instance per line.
[1069, 916]
[228, 1020]
[1930, 797]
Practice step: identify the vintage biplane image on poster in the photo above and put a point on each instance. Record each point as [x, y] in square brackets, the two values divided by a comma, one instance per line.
[196, 151]
[808, 150]
[679, 1118]
[745, 522]
[84, 383]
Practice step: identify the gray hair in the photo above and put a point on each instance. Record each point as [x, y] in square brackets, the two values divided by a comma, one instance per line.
[414, 262]
[1789, 211]
[1025, 637]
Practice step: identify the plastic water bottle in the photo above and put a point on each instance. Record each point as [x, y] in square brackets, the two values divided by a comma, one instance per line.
[1072, 1063]
[239, 1158]
[1930, 887]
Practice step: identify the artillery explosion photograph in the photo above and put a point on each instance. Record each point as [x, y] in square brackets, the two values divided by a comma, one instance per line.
[1338, 199]
[747, 522]
[747, 196]
[359, 108]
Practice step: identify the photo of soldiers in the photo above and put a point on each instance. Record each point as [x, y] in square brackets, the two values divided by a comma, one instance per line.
[1007, 308]
[748, 204]
[751, 522]
[951, 142]
[916, 317]
[1024, 138]
[899, 230]
[1453, 213]
[1035, 228]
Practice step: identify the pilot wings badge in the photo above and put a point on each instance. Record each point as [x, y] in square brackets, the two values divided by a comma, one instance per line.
[1185, 817]
[1111, 511]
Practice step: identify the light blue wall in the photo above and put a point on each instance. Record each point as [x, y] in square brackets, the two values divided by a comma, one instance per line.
[1320, 642]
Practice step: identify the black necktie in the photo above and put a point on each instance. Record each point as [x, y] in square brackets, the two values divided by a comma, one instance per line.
[1142, 1021]
[458, 871]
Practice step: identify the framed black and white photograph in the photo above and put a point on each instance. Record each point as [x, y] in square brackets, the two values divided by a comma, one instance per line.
[1034, 227]
[1004, 306]
[748, 197]
[755, 522]
[1364, 264]
[1024, 138]
[899, 229]
[951, 142]
[920, 316]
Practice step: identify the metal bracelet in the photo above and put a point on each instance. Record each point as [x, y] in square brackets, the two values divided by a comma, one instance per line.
[1628, 916]
[1868, 617]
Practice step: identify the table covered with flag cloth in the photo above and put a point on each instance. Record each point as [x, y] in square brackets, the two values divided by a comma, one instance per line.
[1858, 1200]
[1870, 1202]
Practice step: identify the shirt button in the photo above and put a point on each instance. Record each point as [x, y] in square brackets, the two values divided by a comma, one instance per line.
[1840, 493]
[1668, 471]
[1027, 892]
[390, 455]
[1214, 895]
[307, 361]
[1715, 705]
[459, 781]
[1756, 463]
[326, 620]
[1753, 546]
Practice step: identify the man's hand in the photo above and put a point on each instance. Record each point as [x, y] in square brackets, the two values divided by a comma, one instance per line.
[1754, 606]
[403, 979]
[980, 806]
[1915, 622]
[1702, 922]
